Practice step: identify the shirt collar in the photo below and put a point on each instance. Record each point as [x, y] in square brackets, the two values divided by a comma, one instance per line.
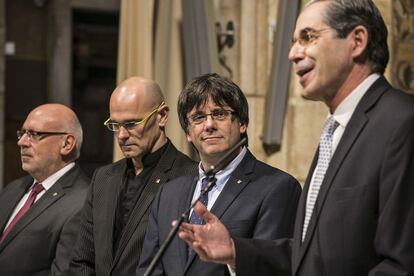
[347, 107]
[223, 175]
[149, 160]
[48, 182]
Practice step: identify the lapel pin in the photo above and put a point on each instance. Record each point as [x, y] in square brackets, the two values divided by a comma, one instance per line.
[157, 181]
[239, 181]
[55, 194]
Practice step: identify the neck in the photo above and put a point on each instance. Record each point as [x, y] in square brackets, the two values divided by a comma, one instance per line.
[358, 74]
[137, 161]
[207, 162]
[138, 165]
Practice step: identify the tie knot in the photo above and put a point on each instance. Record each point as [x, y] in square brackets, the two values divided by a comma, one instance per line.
[204, 183]
[37, 188]
[330, 126]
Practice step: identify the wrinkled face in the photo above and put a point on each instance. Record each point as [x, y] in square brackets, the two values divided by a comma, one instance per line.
[139, 140]
[43, 156]
[213, 137]
[321, 60]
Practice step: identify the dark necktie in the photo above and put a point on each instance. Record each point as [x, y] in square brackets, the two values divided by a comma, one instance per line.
[36, 189]
[194, 218]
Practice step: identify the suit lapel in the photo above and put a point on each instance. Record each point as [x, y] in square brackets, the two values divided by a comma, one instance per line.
[13, 197]
[187, 195]
[114, 181]
[158, 177]
[355, 126]
[297, 242]
[236, 183]
[52, 195]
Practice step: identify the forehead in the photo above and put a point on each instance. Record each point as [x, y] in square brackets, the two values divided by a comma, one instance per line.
[128, 110]
[208, 105]
[312, 17]
[41, 121]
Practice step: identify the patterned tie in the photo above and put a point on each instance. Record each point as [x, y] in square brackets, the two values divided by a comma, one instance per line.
[194, 218]
[36, 189]
[324, 157]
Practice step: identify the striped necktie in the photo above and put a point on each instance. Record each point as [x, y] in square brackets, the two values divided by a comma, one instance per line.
[324, 157]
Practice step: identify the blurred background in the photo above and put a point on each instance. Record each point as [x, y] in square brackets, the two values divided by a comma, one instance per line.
[75, 52]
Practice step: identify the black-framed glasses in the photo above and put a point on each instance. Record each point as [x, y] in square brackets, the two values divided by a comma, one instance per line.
[35, 136]
[216, 115]
[116, 126]
[308, 36]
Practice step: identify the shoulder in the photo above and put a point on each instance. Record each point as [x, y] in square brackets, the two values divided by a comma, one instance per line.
[265, 172]
[19, 183]
[113, 168]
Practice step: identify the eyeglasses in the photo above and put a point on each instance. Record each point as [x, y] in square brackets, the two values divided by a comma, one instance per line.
[217, 115]
[308, 36]
[115, 126]
[35, 136]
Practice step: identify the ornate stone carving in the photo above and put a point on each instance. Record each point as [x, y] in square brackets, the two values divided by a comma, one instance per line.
[403, 44]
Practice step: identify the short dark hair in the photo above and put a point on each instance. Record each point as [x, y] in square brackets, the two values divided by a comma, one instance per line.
[221, 90]
[344, 15]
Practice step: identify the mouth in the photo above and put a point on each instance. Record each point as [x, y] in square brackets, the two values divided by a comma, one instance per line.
[211, 138]
[303, 71]
[25, 156]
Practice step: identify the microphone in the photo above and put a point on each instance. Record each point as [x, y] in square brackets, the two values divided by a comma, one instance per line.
[221, 164]
[211, 176]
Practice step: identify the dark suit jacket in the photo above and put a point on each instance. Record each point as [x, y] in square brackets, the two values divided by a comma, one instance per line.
[94, 249]
[46, 233]
[258, 201]
[364, 220]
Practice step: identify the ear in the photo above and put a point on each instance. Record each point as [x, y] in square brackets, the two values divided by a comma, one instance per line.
[163, 116]
[188, 138]
[68, 145]
[359, 36]
[243, 128]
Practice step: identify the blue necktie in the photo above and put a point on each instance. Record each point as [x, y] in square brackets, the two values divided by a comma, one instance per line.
[194, 218]
[324, 157]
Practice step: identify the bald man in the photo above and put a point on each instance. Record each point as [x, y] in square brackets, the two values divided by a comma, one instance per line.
[115, 216]
[39, 212]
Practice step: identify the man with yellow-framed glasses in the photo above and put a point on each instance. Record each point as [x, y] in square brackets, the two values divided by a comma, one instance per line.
[115, 216]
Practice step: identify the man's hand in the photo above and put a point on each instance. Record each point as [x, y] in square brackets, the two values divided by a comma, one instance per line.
[211, 241]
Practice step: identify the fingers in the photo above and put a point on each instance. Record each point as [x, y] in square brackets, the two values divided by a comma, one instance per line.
[202, 211]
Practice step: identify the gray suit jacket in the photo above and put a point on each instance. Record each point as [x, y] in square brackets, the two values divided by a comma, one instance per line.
[363, 220]
[94, 254]
[44, 236]
[258, 201]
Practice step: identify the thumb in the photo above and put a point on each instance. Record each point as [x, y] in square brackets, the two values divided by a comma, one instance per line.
[202, 211]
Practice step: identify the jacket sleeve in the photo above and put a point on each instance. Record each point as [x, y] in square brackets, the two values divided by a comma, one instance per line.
[394, 241]
[83, 257]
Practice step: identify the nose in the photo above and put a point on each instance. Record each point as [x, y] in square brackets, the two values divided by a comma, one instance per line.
[210, 123]
[296, 53]
[23, 141]
[123, 133]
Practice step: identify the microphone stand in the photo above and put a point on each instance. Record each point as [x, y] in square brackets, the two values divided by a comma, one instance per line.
[211, 178]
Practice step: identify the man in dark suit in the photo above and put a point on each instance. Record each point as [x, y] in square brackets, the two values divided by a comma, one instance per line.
[114, 218]
[356, 214]
[38, 212]
[251, 198]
